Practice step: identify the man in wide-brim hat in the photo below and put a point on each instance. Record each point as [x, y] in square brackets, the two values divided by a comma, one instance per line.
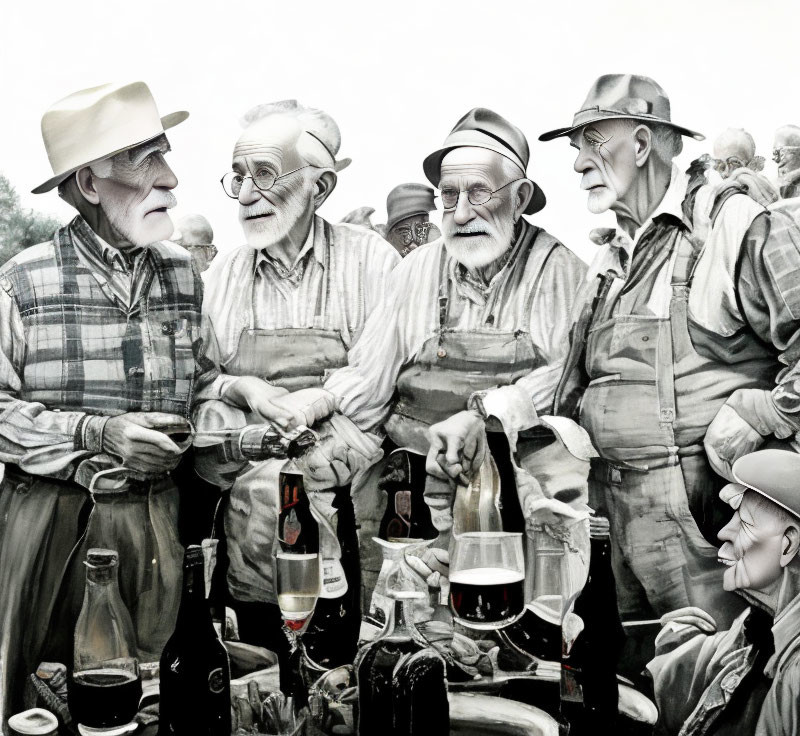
[474, 325]
[683, 329]
[99, 357]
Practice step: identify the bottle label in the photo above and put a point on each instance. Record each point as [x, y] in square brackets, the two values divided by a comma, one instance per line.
[216, 681]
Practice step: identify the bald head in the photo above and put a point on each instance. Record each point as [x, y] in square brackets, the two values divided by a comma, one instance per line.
[734, 142]
[787, 135]
[194, 230]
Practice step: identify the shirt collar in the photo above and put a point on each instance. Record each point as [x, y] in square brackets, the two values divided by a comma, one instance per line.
[110, 256]
[311, 244]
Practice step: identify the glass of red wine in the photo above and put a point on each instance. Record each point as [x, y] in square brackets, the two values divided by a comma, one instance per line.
[487, 579]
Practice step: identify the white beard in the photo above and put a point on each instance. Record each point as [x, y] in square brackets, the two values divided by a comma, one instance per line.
[268, 231]
[477, 251]
[601, 200]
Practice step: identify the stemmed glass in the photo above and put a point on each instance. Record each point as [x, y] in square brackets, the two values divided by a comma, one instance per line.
[299, 579]
[487, 579]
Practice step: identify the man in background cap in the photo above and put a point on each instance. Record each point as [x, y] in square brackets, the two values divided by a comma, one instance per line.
[194, 233]
[287, 307]
[680, 338]
[408, 225]
[100, 353]
[745, 680]
[474, 325]
[786, 154]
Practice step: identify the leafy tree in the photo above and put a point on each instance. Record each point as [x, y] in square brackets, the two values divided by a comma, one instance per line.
[19, 227]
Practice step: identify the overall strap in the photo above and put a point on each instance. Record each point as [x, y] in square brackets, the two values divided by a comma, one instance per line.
[323, 295]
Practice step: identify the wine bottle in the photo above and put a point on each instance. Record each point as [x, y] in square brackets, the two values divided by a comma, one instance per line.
[104, 686]
[407, 516]
[597, 647]
[402, 690]
[297, 528]
[195, 672]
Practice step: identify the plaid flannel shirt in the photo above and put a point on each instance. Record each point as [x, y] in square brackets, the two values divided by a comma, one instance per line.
[85, 335]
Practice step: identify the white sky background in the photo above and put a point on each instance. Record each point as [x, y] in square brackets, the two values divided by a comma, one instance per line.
[396, 77]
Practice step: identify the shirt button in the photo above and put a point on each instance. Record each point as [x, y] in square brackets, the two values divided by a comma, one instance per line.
[645, 338]
[441, 353]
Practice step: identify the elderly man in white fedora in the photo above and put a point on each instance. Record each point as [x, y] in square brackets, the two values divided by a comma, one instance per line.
[746, 679]
[287, 307]
[682, 341]
[100, 354]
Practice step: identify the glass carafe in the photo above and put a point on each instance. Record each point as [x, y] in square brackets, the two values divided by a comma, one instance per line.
[104, 687]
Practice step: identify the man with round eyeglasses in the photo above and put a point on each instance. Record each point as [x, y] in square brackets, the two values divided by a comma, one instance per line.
[286, 308]
[472, 336]
[786, 154]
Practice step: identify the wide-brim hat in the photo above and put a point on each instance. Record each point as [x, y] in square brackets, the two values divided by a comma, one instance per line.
[407, 200]
[482, 128]
[775, 474]
[618, 96]
[96, 123]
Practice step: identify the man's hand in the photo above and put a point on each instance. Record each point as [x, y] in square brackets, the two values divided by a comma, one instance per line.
[140, 439]
[257, 396]
[431, 564]
[458, 447]
[691, 616]
[728, 438]
[308, 405]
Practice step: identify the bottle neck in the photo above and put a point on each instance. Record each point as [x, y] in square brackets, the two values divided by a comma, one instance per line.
[194, 613]
[400, 625]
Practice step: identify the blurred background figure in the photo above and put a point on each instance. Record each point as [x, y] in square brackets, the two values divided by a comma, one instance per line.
[786, 153]
[735, 148]
[408, 225]
[736, 162]
[361, 216]
[194, 233]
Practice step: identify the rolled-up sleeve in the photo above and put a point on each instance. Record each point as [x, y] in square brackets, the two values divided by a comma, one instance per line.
[40, 441]
[769, 292]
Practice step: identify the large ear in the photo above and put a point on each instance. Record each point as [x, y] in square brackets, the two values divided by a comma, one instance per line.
[85, 180]
[523, 195]
[323, 187]
[790, 544]
[643, 144]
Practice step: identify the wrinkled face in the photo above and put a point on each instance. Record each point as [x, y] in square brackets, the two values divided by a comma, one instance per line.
[477, 235]
[134, 191]
[410, 233]
[786, 152]
[753, 543]
[606, 160]
[269, 148]
[202, 255]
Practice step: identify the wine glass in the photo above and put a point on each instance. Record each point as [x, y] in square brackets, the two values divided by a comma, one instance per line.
[487, 579]
[299, 578]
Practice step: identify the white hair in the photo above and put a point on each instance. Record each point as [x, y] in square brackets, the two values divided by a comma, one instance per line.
[322, 140]
[667, 142]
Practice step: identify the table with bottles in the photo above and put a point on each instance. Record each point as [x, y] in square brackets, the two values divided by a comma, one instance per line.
[493, 648]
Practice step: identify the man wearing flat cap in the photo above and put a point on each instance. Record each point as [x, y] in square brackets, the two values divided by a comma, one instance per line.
[473, 330]
[286, 308]
[100, 354]
[745, 680]
[786, 154]
[682, 340]
[408, 225]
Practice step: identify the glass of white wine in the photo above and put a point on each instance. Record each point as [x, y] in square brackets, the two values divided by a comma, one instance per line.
[299, 578]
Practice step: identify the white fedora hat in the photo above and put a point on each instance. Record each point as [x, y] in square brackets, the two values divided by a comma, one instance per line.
[96, 123]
